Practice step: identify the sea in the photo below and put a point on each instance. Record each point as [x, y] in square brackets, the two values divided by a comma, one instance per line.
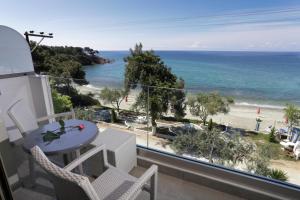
[260, 79]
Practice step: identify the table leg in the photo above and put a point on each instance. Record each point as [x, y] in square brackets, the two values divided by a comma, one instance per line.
[77, 152]
[31, 171]
[66, 159]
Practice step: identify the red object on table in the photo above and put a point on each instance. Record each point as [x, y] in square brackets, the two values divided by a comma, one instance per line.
[81, 126]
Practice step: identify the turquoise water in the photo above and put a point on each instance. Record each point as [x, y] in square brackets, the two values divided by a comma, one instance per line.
[251, 77]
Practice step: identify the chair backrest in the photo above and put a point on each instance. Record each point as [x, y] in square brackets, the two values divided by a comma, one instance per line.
[297, 146]
[295, 137]
[67, 185]
[22, 116]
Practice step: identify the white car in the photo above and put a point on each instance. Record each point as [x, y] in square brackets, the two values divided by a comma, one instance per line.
[141, 120]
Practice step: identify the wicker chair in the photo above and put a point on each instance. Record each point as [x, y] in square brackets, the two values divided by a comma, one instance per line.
[113, 184]
[26, 122]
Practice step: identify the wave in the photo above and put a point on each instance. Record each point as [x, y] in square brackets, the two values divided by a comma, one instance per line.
[259, 105]
[242, 103]
[92, 87]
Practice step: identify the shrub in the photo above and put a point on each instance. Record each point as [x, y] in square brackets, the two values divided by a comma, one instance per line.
[62, 103]
[272, 137]
[278, 174]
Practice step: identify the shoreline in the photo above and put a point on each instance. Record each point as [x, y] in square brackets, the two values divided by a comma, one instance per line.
[243, 102]
[241, 115]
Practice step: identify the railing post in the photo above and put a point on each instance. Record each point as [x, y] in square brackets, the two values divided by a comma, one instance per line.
[148, 116]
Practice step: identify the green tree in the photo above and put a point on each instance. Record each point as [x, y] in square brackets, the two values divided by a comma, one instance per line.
[259, 162]
[64, 87]
[238, 150]
[205, 104]
[292, 113]
[90, 51]
[113, 116]
[61, 103]
[113, 96]
[214, 146]
[64, 61]
[177, 100]
[148, 70]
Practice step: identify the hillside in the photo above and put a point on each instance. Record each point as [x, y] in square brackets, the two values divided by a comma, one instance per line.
[65, 61]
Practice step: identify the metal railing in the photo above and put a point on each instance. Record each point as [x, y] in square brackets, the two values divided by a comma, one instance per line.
[161, 134]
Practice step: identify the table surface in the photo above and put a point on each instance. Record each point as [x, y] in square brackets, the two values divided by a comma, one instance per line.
[72, 140]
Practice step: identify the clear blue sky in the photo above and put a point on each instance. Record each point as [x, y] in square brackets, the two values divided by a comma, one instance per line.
[258, 25]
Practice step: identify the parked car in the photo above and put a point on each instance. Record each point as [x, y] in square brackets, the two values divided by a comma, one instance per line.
[165, 133]
[141, 120]
[102, 115]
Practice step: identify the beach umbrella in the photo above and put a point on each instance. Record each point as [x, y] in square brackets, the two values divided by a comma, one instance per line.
[258, 111]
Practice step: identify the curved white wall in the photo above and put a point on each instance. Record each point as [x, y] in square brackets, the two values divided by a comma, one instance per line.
[15, 55]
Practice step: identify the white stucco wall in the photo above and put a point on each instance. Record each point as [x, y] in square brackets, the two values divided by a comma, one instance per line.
[15, 55]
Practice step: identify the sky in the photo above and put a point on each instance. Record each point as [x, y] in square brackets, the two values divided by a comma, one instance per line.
[215, 25]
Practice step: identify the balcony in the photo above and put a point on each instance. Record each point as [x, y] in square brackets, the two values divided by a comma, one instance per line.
[181, 176]
[170, 186]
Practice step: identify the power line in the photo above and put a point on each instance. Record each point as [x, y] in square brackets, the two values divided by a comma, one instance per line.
[182, 19]
[258, 22]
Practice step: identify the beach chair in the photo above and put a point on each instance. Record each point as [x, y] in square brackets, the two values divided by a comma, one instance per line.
[112, 184]
[291, 141]
[296, 150]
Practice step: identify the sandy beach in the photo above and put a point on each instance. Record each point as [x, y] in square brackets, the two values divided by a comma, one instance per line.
[240, 116]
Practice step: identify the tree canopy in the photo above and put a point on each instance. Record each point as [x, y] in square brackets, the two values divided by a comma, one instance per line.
[205, 104]
[146, 69]
[64, 61]
[214, 146]
[61, 103]
[292, 113]
[113, 96]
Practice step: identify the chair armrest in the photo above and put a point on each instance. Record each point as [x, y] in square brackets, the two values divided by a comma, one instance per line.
[150, 174]
[86, 156]
[71, 113]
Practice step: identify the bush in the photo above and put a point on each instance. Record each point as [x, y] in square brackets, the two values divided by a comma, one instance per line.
[61, 103]
[278, 174]
[272, 137]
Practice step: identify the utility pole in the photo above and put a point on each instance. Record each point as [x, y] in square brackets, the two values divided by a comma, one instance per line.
[42, 35]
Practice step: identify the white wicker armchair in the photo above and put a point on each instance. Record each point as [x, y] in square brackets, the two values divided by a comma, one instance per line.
[26, 122]
[113, 184]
